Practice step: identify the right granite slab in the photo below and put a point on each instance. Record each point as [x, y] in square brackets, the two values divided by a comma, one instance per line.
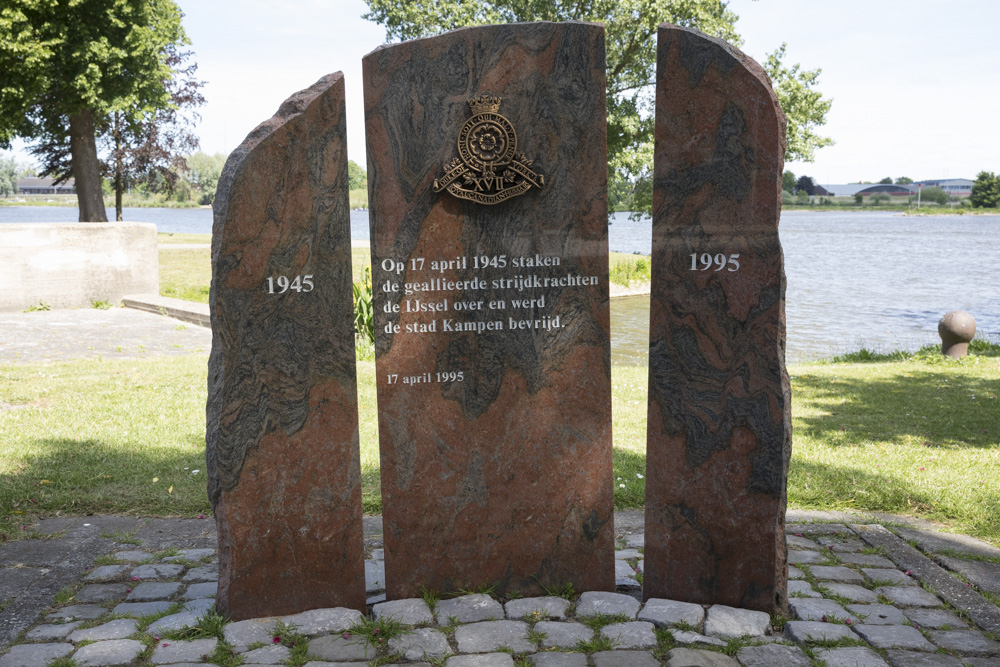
[719, 429]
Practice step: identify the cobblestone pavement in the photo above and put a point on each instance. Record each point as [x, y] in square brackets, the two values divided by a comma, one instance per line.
[122, 591]
[115, 333]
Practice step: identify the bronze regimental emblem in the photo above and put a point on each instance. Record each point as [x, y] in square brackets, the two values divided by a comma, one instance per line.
[488, 169]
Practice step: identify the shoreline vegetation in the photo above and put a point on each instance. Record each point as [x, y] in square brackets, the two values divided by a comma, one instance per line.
[358, 200]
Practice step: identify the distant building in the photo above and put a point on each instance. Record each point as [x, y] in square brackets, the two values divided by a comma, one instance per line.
[958, 187]
[45, 186]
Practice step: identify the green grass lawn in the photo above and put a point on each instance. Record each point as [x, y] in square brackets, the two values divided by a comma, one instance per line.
[916, 437]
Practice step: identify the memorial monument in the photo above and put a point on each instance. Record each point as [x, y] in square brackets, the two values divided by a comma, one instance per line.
[719, 425]
[487, 174]
[282, 430]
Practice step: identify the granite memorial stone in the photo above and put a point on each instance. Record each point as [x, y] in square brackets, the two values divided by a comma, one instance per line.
[282, 435]
[719, 432]
[487, 175]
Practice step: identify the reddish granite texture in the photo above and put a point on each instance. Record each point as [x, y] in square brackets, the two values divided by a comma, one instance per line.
[719, 430]
[505, 475]
[283, 458]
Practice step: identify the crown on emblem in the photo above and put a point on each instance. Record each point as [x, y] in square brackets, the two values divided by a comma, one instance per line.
[485, 104]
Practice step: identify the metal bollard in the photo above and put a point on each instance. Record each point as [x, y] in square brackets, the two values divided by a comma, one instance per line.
[956, 330]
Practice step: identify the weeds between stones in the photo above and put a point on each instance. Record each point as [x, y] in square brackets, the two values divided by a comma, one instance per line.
[224, 655]
[536, 636]
[378, 631]
[122, 537]
[209, 625]
[64, 661]
[598, 621]
[566, 591]
[595, 645]
[481, 589]
[430, 597]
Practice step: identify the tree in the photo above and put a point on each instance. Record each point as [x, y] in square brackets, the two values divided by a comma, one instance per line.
[357, 179]
[904, 180]
[805, 184]
[204, 171]
[934, 194]
[788, 181]
[8, 176]
[70, 64]
[885, 181]
[631, 58]
[985, 190]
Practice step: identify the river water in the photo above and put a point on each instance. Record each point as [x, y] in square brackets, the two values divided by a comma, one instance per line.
[873, 279]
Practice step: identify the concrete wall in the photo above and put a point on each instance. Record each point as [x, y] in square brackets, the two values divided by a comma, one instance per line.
[68, 265]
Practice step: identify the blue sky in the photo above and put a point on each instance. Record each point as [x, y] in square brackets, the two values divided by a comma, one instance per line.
[914, 84]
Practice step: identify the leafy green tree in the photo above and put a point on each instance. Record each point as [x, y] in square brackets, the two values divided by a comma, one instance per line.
[69, 64]
[631, 27]
[904, 180]
[357, 179]
[8, 176]
[985, 190]
[934, 194]
[885, 181]
[788, 181]
[805, 184]
[204, 171]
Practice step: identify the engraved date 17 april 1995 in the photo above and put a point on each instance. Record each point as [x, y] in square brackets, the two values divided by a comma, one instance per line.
[425, 378]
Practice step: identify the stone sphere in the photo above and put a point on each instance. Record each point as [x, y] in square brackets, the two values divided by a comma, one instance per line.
[956, 330]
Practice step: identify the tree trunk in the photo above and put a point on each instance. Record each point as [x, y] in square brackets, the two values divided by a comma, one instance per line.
[119, 181]
[86, 170]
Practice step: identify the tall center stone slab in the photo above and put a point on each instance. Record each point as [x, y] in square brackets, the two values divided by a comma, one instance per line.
[282, 429]
[487, 175]
[719, 428]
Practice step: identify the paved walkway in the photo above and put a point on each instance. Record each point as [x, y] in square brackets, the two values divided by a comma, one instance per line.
[115, 333]
[115, 590]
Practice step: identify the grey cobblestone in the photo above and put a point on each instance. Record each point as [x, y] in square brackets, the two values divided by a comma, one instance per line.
[172, 652]
[909, 596]
[335, 648]
[113, 652]
[132, 556]
[203, 590]
[806, 557]
[852, 592]
[106, 573]
[419, 644]
[489, 636]
[839, 573]
[242, 634]
[935, 618]
[562, 634]
[893, 636]
[34, 655]
[49, 631]
[808, 609]
[202, 573]
[664, 613]
[965, 641]
[850, 656]
[624, 659]
[687, 657]
[267, 655]
[137, 609]
[154, 590]
[158, 571]
[321, 621]
[84, 612]
[773, 655]
[729, 622]
[899, 658]
[468, 609]
[487, 660]
[685, 637]
[888, 576]
[559, 659]
[101, 593]
[867, 560]
[593, 603]
[631, 635]
[412, 611]
[118, 629]
[802, 589]
[805, 631]
[877, 614]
